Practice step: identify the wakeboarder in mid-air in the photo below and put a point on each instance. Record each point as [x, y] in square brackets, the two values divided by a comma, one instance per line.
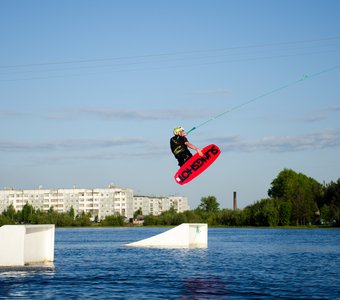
[179, 145]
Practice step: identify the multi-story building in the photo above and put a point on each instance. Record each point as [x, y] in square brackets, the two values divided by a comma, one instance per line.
[149, 205]
[179, 203]
[99, 202]
[155, 205]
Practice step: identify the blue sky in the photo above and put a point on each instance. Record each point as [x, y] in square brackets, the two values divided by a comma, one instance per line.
[91, 90]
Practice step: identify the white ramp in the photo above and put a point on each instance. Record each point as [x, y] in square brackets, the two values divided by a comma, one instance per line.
[26, 244]
[186, 235]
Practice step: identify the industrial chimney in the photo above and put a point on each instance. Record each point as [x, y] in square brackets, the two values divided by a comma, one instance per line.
[235, 201]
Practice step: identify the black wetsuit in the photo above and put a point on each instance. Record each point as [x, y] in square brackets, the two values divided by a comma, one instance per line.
[180, 149]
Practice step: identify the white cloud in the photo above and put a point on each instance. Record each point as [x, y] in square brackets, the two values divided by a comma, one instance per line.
[76, 144]
[335, 108]
[314, 118]
[312, 141]
[117, 114]
[108, 114]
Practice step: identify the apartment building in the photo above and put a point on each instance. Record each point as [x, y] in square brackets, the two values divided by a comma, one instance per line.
[100, 202]
[155, 205]
[179, 203]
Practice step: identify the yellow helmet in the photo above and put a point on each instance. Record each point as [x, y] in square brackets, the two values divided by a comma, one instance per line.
[178, 129]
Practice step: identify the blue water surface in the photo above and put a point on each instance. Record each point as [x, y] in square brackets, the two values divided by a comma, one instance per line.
[93, 263]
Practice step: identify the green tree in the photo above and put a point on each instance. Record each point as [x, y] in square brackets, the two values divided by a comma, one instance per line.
[41, 217]
[300, 191]
[209, 204]
[27, 213]
[280, 185]
[83, 219]
[137, 213]
[270, 212]
[285, 209]
[71, 213]
[262, 213]
[326, 215]
[171, 217]
[331, 202]
[64, 219]
[10, 212]
[192, 217]
[4, 220]
[113, 220]
[52, 216]
[229, 217]
[150, 220]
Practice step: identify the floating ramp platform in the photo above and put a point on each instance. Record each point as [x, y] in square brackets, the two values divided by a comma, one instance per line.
[186, 235]
[21, 245]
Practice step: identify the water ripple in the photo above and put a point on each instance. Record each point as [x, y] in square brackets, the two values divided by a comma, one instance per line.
[239, 264]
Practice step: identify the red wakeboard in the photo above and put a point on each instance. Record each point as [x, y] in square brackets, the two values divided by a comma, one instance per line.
[196, 164]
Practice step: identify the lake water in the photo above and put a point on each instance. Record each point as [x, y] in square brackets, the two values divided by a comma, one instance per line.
[92, 263]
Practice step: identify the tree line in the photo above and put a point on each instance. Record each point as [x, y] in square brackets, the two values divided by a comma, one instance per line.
[29, 215]
[293, 200]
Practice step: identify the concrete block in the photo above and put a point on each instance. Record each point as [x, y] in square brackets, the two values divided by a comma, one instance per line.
[26, 244]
